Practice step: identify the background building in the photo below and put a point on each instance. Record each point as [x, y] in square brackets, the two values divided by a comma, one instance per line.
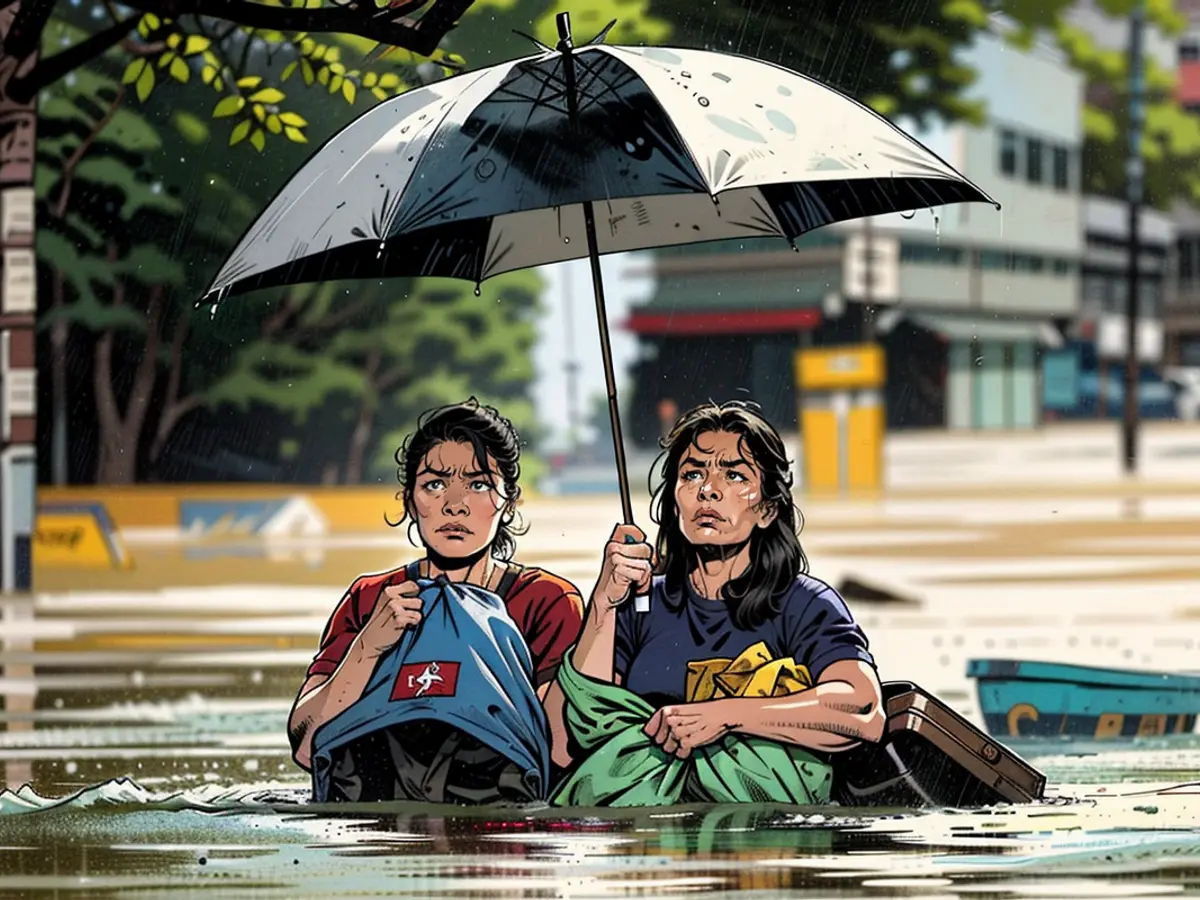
[962, 297]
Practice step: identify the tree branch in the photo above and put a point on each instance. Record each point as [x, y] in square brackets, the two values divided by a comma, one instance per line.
[106, 402]
[171, 417]
[278, 320]
[141, 48]
[390, 378]
[72, 162]
[51, 68]
[386, 26]
[147, 367]
[25, 34]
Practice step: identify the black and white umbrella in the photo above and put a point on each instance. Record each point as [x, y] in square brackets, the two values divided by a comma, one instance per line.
[584, 151]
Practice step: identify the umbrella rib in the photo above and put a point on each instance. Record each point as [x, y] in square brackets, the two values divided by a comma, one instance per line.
[767, 213]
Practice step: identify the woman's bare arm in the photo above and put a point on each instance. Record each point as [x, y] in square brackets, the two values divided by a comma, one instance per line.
[324, 696]
[844, 709]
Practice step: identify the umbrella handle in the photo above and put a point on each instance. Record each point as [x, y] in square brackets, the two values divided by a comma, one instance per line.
[641, 602]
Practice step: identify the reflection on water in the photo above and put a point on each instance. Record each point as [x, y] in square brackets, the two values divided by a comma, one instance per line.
[261, 843]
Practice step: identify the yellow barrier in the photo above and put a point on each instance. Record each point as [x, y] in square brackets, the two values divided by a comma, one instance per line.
[346, 509]
[78, 536]
[842, 420]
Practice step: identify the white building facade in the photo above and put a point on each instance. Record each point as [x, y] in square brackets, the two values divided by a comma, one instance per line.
[994, 286]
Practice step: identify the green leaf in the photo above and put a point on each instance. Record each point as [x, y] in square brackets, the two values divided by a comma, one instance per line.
[149, 265]
[295, 135]
[274, 125]
[289, 69]
[112, 172]
[307, 70]
[133, 70]
[249, 82]
[349, 90]
[193, 130]
[258, 139]
[239, 133]
[145, 83]
[267, 95]
[180, 71]
[196, 44]
[291, 118]
[228, 106]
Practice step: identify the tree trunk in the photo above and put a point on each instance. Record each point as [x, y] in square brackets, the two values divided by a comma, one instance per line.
[330, 474]
[175, 407]
[119, 434]
[360, 437]
[18, 299]
[59, 333]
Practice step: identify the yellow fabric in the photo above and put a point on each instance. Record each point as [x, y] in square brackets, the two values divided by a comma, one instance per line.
[753, 674]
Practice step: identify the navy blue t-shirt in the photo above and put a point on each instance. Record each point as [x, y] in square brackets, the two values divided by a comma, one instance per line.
[653, 649]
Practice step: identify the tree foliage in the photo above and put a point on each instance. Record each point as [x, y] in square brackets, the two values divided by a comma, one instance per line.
[352, 365]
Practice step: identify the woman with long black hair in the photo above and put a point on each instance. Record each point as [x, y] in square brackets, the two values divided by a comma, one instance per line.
[730, 573]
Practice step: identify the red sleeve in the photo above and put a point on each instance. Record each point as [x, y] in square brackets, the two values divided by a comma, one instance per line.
[549, 612]
[347, 621]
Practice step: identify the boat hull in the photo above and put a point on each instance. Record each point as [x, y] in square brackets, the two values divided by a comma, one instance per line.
[1023, 699]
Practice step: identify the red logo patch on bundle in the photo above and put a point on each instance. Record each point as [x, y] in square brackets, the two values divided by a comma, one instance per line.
[431, 679]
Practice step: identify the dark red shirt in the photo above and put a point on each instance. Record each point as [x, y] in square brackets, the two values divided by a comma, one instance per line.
[547, 609]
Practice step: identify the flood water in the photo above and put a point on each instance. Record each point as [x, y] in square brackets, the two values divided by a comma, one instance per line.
[144, 750]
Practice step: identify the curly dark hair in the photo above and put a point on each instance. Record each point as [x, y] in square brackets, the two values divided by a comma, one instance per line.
[776, 557]
[490, 434]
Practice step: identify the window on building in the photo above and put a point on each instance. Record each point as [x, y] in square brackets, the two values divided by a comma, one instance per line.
[1189, 352]
[993, 259]
[1189, 50]
[1063, 267]
[1033, 160]
[930, 254]
[1008, 152]
[1186, 251]
[1094, 290]
[1150, 296]
[1062, 168]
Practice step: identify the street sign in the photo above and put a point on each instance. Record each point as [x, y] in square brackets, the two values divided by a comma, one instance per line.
[1111, 341]
[883, 268]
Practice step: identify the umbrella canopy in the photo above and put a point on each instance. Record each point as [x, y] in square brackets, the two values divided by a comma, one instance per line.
[578, 152]
[485, 172]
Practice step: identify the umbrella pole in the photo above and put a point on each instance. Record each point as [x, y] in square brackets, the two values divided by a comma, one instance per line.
[565, 46]
[610, 380]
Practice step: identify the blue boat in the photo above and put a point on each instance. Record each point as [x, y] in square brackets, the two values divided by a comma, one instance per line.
[1023, 699]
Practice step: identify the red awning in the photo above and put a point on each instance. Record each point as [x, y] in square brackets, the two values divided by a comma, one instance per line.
[724, 322]
[1187, 89]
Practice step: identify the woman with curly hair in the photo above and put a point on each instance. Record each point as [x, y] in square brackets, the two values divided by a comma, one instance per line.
[460, 472]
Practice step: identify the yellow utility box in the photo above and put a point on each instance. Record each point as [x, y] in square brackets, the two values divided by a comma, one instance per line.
[842, 417]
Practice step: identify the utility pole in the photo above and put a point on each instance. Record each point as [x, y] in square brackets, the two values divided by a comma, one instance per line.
[571, 364]
[1134, 171]
[868, 282]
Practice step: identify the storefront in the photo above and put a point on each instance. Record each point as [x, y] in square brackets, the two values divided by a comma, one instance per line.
[990, 368]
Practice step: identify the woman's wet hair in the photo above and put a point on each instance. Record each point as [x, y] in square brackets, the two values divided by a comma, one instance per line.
[490, 435]
[776, 557]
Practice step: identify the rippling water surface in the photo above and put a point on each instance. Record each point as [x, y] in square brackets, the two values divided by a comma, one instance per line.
[1125, 833]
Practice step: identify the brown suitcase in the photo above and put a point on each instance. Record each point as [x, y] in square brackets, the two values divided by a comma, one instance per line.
[931, 756]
